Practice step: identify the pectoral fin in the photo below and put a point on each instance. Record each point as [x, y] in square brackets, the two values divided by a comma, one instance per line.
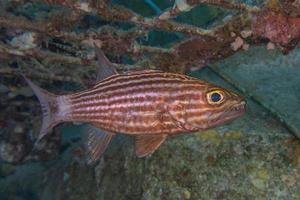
[180, 121]
[96, 142]
[147, 144]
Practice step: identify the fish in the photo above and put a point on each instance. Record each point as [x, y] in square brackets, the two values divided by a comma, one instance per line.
[149, 105]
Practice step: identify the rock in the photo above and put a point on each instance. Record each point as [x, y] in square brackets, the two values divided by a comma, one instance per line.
[271, 78]
[6, 169]
[288, 179]
[3, 89]
[66, 176]
[11, 153]
[19, 129]
[25, 91]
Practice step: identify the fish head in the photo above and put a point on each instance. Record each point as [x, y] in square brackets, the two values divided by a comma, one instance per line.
[218, 106]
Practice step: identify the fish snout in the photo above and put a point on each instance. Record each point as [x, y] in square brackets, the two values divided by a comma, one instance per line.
[239, 107]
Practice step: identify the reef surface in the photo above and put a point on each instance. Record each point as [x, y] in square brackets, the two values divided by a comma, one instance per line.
[255, 157]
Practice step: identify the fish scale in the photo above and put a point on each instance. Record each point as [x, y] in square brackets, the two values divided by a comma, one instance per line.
[138, 110]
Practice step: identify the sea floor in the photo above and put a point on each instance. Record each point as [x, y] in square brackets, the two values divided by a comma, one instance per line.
[255, 157]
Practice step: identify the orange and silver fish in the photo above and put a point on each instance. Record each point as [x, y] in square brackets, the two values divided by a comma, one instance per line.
[149, 105]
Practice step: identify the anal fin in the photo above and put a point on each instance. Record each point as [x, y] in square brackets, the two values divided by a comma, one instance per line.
[147, 144]
[97, 141]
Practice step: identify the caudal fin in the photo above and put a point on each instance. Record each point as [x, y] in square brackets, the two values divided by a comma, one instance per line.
[49, 108]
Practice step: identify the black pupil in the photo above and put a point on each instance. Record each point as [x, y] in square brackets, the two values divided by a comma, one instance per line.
[215, 97]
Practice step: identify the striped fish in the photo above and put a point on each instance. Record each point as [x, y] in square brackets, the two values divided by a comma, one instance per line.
[149, 105]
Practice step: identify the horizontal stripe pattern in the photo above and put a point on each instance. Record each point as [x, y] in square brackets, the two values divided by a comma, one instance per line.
[147, 102]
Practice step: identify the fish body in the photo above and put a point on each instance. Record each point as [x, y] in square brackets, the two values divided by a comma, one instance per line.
[146, 102]
[149, 105]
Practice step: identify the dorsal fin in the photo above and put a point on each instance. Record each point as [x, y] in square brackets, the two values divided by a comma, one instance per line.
[96, 142]
[106, 68]
[147, 144]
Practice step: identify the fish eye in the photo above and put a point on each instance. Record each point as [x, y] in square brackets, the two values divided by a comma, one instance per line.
[215, 97]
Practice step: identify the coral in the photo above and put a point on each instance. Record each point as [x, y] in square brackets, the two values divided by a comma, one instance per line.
[280, 29]
[57, 31]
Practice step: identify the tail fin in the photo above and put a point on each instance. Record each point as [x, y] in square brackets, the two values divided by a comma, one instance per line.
[49, 108]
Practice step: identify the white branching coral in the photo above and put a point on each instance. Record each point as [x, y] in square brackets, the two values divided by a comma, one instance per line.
[24, 41]
[84, 6]
[182, 5]
[179, 6]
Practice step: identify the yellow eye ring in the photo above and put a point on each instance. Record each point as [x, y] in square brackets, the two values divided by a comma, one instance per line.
[215, 97]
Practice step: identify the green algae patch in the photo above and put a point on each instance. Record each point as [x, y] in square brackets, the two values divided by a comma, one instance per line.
[186, 194]
[258, 183]
[232, 134]
[211, 136]
[259, 178]
[262, 174]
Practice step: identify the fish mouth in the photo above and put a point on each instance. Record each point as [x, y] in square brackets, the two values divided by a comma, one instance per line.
[239, 109]
[234, 112]
[230, 114]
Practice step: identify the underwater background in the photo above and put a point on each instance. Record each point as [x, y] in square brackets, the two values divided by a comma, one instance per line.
[249, 47]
